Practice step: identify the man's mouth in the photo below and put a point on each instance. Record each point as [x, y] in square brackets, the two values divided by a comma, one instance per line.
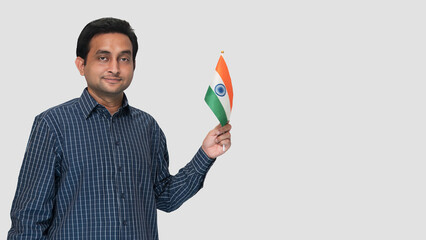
[111, 79]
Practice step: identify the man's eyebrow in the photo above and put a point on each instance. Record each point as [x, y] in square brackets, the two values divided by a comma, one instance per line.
[103, 52]
[108, 52]
[126, 52]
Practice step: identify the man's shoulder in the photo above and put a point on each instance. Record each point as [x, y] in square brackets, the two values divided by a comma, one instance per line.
[59, 110]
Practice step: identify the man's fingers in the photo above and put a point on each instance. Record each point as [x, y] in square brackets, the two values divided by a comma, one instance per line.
[224, 136]
[226, 144]
[221, 130]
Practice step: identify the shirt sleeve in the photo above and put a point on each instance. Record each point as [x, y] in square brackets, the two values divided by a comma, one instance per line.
[172, 191]
[32, 207]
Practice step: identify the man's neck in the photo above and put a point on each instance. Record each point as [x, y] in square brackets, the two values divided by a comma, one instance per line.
[111, 103]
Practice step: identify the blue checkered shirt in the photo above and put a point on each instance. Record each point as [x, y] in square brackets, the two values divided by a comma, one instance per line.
[89, 175]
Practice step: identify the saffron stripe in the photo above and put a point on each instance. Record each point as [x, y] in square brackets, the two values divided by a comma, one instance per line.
[222, 69]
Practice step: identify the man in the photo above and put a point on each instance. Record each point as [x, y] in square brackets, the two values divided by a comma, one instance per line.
[97, 168]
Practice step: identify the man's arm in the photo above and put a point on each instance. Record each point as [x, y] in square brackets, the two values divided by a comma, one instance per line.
[32, 206]
[172, 191]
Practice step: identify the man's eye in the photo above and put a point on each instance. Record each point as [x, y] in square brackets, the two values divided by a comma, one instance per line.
[125, 59]
[103, 58]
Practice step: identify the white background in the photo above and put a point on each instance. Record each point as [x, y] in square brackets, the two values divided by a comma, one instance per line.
[329, 108]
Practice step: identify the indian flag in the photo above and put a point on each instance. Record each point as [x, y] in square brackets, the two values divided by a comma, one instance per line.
[219, 94]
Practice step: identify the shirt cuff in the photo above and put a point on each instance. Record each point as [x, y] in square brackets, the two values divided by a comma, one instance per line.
[202, 162]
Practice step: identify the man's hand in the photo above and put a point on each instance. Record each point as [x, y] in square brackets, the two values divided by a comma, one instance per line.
[218, 141]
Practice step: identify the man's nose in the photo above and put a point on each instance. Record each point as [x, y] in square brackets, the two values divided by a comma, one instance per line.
[114, 67]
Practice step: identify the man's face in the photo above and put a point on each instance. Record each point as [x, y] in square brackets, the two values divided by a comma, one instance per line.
[109, 65]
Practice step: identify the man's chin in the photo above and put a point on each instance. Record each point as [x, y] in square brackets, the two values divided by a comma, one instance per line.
[109, 92]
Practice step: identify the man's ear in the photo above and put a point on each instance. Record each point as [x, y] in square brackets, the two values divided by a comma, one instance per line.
[79, 63]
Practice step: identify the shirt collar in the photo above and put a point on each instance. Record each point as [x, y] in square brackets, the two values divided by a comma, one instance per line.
[88, 104]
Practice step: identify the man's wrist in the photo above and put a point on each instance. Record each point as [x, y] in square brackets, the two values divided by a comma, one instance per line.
[202, 162]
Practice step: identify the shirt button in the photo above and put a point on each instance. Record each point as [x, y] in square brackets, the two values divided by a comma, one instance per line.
[117, 143]
[123, 196]
[120, 168]
[124, 223]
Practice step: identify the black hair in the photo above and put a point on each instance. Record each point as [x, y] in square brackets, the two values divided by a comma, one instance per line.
[105, 25]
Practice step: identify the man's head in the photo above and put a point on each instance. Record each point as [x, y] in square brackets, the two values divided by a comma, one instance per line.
[106, 50]
[101, 26]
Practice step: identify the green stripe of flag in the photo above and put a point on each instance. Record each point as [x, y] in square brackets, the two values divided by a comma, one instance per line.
[214, 103]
